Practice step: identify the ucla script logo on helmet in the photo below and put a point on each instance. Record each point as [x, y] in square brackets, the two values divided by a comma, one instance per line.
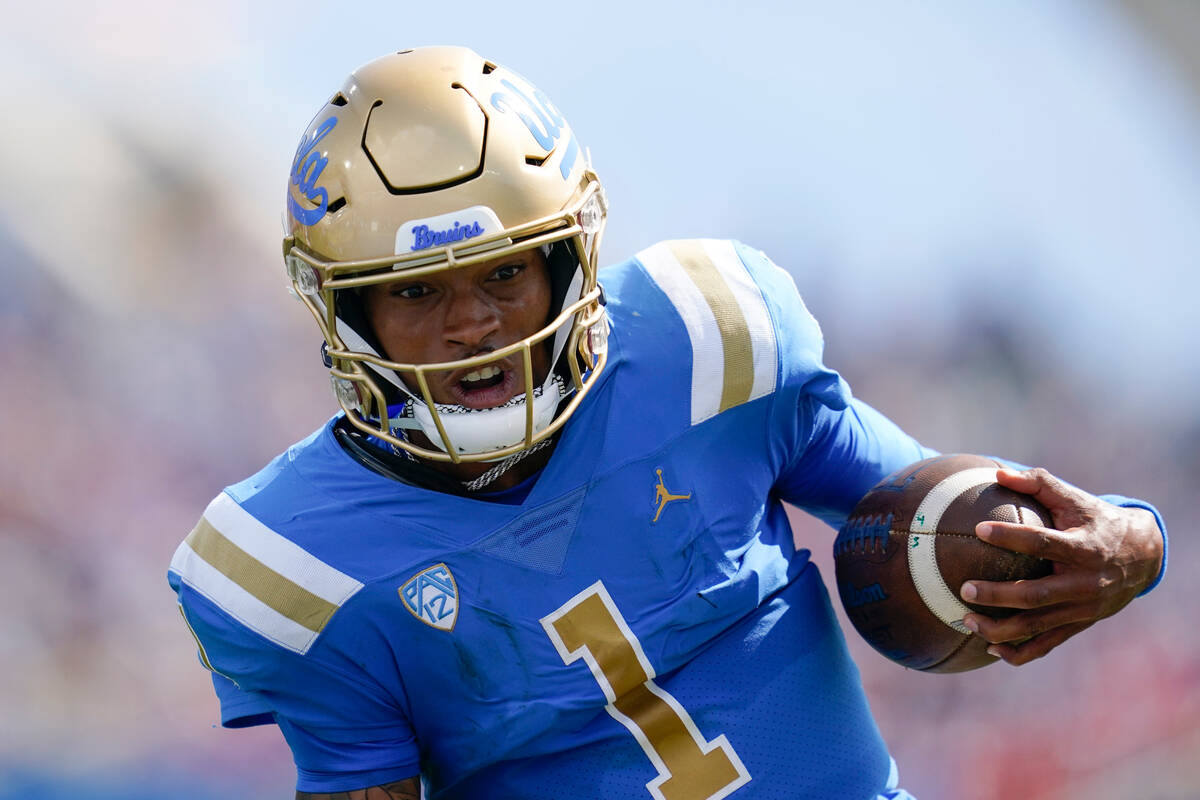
[307, 167]
[432, 597]
[541, 118]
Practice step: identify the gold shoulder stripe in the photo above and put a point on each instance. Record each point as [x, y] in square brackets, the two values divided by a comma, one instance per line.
[731, 323]
[287, 598]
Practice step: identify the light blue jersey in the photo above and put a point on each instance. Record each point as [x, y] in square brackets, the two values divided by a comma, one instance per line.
[641, 625]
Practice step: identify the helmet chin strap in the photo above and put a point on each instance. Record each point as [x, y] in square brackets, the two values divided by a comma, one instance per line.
[478, 430]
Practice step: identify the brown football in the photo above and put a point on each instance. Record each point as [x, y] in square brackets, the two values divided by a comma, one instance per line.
[908, 546]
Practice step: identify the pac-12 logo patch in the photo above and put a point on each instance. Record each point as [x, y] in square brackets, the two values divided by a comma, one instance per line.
[432, 597]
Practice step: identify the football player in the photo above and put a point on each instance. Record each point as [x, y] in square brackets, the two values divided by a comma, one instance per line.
[542, 549]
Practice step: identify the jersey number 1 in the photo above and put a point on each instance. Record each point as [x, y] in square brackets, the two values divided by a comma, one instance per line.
[590, 627]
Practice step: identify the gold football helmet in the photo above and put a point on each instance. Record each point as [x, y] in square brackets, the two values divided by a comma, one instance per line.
[435, 159]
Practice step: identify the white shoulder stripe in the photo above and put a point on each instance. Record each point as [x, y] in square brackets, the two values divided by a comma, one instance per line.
[708, 362]
[754, 309]
[265, 581]
[733, 346]
[279, 554]
[239, 603]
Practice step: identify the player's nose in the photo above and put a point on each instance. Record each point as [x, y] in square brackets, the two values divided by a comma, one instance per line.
[472, 319]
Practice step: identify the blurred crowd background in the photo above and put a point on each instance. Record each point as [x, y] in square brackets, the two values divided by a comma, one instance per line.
[994, 210]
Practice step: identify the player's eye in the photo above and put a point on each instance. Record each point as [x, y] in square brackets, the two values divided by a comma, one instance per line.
[410, 291]
[508, 272]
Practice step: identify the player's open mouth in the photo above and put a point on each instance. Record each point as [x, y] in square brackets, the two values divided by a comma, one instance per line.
[484, 387]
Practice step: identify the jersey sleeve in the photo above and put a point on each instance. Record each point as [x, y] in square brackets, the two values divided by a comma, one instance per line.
[239, 709]
[828, 448]
[832, 447]
[336, 766]
[756, 362]
[266, 616]
[842, 453]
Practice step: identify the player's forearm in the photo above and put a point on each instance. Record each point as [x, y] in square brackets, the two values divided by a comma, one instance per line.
[409, 789]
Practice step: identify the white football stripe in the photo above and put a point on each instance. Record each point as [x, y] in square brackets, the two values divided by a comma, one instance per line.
[238, 603]
[939, 498]
[922, 548]
[922, 565]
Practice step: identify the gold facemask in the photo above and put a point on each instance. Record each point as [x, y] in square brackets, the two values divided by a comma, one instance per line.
[430, 160]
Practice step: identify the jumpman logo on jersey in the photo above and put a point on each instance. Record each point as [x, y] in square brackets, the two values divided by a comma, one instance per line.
[662, 496]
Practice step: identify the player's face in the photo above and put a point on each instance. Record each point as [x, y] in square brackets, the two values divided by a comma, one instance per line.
[462, 313]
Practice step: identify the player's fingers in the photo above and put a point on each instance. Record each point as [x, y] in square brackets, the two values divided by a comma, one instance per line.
[1066, 587]
[1033, 540]
[1026, 625]
[1047, 489]
[1023, 653]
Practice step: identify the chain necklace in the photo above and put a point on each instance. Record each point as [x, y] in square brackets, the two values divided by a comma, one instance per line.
[492, 474]
[504, 466]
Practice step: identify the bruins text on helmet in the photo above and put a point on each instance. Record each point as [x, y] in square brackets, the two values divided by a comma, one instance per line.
[435, 159]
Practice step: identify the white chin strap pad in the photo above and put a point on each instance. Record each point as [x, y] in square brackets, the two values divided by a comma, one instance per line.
[481, 430]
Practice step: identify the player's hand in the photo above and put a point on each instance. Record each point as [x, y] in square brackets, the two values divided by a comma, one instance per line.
[1103, 556]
